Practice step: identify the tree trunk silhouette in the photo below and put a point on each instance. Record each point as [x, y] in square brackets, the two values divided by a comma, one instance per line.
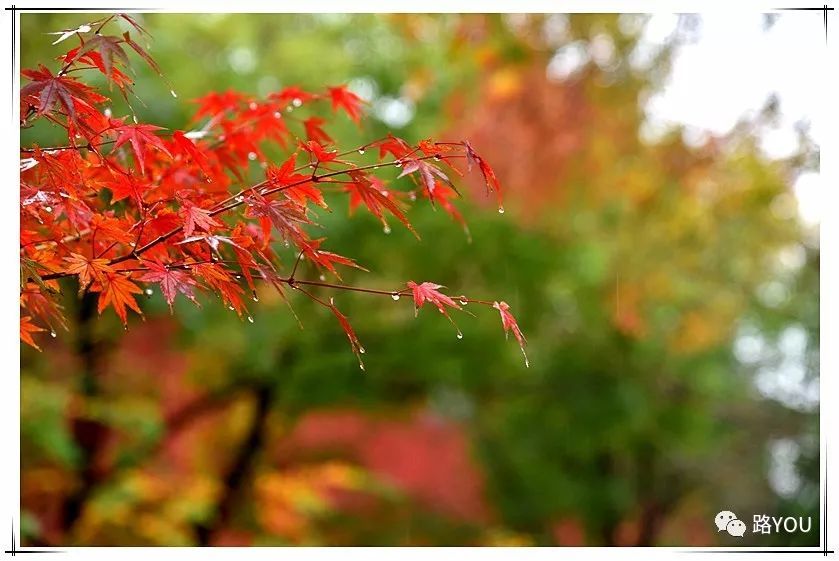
[234, 480]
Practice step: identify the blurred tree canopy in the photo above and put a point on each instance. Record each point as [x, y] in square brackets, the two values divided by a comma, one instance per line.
[660, 283]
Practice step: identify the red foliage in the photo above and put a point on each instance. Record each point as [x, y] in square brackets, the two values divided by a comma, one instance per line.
[426, 457]
[125, 204]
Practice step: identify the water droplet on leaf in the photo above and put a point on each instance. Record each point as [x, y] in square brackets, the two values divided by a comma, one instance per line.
[175, 95]
[459, 335]
[149, 292]
[250, 319]
[501, 210]
[297, 102]
[386, 229]
[395, 296]
[361, 151]
[251, 156]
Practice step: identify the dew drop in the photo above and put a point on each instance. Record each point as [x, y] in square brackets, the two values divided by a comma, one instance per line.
[174, 94]
[322, 277]
[278, 115]
[250, 319]
[386, 229]
[48, 208]
[251, 156]
[361, 151]
[459, 335]
[437, 157]
[361, 365]
[252, 105]
[135, 122]
[412, 196]
[501, 210]
[231, 308]
[53, 334]
[289, 109]
[132, 244]
[395, 296]
[297, 102]
[286, 244]
[255, 297]
[361, 350]
[149, 292]
[463, 302]
[398, 163]
[240, 198]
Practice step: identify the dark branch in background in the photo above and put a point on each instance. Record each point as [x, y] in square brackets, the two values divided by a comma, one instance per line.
[241, 467]
[89, 435]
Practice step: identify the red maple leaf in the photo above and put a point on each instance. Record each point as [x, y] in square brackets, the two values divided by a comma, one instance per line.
[27, 328]
[364, 190]
[46, 90]
[116, 289]
[140, 137]
[290, 94]
[345, 325]
[490, 180]
[427, 172]
[88, 270]
[215, 103]
[220, 279]
[343, 98]
[109, 50]
[508, 322]
[327, 259]
[314, 130]
[393, 145]
[187, 148]
[429, 292]
[172, 281]
[197, 217]
[317, 150]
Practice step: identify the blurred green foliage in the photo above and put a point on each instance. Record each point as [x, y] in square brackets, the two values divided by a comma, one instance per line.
[634, 280]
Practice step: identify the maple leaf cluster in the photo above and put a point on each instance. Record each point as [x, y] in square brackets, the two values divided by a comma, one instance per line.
[126, 206]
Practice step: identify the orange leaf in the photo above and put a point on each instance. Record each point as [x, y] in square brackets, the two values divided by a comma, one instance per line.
[117, 291]
[89, 270]
[27, 328]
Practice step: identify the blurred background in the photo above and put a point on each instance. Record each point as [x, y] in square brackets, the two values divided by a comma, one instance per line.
[660, 249]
